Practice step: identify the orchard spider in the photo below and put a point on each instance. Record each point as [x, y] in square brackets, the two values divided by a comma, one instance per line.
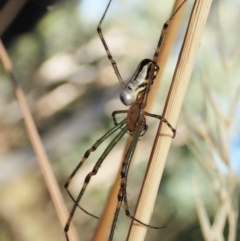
[134, 94]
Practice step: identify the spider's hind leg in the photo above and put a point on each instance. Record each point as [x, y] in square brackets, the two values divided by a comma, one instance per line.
[164, 120]
[122, 194]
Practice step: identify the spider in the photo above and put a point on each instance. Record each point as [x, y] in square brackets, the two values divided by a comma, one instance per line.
[134, 94]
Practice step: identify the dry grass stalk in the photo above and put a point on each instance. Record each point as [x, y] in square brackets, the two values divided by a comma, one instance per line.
[171, 112]
[223, 184]
[36, 142]
[212, 149]
[225, 212]
[9, 12]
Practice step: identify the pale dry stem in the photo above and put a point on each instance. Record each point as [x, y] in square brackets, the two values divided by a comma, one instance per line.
[171, 112]
[216, 146]
[8, 12]
[223, 186]
[37, 145]
[224, 211]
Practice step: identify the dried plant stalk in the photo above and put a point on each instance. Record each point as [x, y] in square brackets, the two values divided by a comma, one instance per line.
[210, 140]
[36, 142]
[171, 112]
[9, 12]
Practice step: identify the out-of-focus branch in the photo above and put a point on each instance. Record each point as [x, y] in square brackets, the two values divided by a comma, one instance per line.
[37, 144]
[9, 12]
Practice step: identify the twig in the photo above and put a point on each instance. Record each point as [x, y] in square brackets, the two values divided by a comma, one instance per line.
[37, 145]
[9, 12]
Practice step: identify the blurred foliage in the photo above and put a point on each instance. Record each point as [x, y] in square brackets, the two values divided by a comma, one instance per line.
[72, 90]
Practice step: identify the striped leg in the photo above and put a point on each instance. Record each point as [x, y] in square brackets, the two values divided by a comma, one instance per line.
[94, 172]
[163, 33]
[155, 56]
[86, 155]
[116, 113]
[124, 172]
[122, 194]
[164, 120]
[109, 55]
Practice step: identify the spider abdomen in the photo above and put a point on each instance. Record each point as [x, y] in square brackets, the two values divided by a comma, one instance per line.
[139, 81]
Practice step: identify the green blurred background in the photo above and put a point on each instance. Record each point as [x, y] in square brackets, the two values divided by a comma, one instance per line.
[71, 90]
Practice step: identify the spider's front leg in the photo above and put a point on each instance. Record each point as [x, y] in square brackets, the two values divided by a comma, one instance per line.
[109, 55]
[116, 113]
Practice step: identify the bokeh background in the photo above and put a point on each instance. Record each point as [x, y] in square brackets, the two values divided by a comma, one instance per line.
[71, 90]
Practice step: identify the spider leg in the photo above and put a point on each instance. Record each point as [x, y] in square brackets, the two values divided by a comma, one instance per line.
[164, 120]
[124, 172]
[163, 33]
[94, 171]
[122, 194]
[155, 56]
[109, 55]
[115, 218]
[116, 113]
[85, 156]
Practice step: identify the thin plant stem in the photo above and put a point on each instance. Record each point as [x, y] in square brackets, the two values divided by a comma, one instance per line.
[171, 112]
[37, 145]
[9, 12]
